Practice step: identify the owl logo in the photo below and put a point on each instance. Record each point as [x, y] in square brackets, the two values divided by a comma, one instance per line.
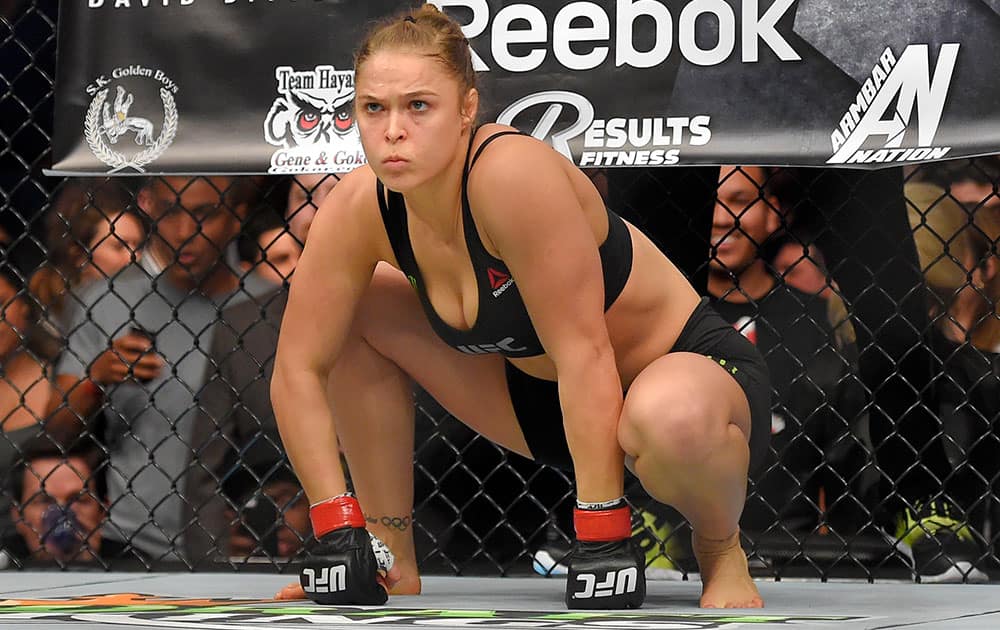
[313, 107]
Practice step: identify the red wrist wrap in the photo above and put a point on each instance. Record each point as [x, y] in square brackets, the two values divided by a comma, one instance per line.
[602, 525]
[334, 514]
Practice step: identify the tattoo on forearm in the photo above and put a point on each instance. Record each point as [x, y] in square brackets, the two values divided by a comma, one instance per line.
[401, 523]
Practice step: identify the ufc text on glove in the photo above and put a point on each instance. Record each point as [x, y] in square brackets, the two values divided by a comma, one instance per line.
[607, 569]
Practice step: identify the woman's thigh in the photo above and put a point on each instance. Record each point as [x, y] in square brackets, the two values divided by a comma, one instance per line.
[473, 388]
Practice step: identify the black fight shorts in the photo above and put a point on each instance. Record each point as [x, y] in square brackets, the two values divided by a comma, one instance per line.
[536, 401]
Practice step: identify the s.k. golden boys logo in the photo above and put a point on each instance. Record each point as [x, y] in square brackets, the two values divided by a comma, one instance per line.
[126, 133]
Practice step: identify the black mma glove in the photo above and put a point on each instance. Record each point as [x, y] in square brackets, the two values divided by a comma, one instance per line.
[607, 570]
[342, 569]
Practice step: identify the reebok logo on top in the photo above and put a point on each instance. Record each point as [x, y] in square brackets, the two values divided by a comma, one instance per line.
[499, 281]
[747, 327]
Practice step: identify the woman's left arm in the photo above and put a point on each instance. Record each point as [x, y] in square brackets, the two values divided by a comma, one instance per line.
[525, 203]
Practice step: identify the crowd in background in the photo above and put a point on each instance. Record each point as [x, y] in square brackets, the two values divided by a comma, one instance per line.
[157, 301]
[137, 425]
[927, 479]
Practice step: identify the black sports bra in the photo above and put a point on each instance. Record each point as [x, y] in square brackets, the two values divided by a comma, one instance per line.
[503, 324]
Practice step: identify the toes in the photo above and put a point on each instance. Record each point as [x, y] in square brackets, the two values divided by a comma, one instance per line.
[291, 592]
[751, 603]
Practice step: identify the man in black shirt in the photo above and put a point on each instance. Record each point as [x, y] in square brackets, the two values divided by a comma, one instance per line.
[818, 462]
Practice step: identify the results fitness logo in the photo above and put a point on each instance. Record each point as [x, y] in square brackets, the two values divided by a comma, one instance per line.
[612, 141]
[312, 120]
[108, 123]
[886, 103]
[130, 609]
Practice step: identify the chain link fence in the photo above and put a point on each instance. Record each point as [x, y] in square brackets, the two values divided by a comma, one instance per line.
[140, 318]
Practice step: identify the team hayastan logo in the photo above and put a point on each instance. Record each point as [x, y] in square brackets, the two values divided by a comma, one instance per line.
[109, 124]
[312, 121]
[130, 609]
[885, 105]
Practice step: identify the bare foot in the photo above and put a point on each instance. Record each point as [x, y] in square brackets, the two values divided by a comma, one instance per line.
[291, 591]
[402, 584]
[725, 575]
[408, 584]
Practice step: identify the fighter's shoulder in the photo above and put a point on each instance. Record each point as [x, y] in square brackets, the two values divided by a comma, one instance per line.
[355, 190]
[511, 160]
[509, 142]
[504, 156]
[351, 209]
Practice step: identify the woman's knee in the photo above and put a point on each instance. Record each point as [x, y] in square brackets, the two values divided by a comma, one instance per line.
[387, 299]
[669, 413]
[380, 318]
[670, 424]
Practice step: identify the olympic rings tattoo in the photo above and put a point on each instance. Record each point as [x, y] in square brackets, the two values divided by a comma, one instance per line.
[401, 523]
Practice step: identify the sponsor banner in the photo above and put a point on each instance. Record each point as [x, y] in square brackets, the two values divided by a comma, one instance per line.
[130, 609]
[236, 86]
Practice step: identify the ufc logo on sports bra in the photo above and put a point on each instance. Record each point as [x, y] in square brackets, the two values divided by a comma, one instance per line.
[329, 580]
[504, 345]
[614, 583]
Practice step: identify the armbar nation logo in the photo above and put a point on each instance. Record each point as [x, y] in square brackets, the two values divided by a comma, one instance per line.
[878, 127]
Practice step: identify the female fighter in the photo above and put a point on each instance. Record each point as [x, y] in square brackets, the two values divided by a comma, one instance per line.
[482, 264]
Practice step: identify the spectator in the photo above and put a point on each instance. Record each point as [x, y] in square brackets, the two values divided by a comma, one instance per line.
[59, 507]
[972, 183]
[235, 403]
[305, 197]
[272, 514]
[137, 348]
[24, 386]
[957, 251]
[957, 452]
[87, 216]
[90, 233]
[268, 248]
[818, 433]
[801, 265]
[235, 399]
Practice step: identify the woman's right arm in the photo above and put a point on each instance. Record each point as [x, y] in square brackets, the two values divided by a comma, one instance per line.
[334, 271]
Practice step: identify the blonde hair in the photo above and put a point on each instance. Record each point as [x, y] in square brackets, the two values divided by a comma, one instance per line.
[940, 230]
[426, 30]
[952, 244]
[984, 237]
